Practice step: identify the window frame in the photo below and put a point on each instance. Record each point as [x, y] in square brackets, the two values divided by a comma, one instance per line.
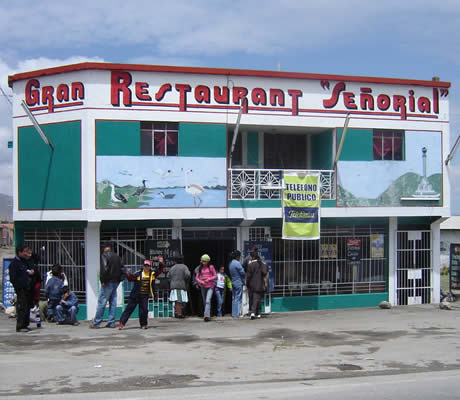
[389, 138]
[152, 130]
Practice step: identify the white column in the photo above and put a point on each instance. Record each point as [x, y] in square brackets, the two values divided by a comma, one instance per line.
[93, 253]
[392, 259]
[436, 261]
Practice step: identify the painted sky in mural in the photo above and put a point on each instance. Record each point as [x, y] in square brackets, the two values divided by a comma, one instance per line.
[371, 179]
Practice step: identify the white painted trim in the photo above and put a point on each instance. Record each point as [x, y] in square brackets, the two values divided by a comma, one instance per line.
[392, 259]
[92, 249]
[435, 262]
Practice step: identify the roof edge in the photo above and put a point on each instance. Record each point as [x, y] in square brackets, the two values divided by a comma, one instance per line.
[217, 71]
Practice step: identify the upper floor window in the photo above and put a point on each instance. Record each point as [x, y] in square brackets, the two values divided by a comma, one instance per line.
[388, 144]
[159, 138]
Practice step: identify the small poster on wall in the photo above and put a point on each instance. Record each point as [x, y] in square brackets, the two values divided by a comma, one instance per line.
[329, 250]
[354, 251]
[377, 246]
[455, 265]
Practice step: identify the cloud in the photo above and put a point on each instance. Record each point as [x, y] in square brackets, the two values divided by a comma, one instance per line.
[213, 27]
[6, 134]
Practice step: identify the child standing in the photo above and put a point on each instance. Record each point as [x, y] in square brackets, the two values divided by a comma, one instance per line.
[222, 284]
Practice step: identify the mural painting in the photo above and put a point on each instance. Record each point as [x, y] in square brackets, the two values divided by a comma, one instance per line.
[417, 177]
[160, 182]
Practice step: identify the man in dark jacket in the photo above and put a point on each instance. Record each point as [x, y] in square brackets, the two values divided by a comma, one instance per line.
[255, 277]
[112, 272]
[67, 307]
[20, 279]
[180, 277]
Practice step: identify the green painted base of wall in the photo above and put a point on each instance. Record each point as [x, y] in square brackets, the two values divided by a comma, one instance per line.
[159, 310]
[279, 304]
[302, 303]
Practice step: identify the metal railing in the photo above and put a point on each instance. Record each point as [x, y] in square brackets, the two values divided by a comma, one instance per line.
[314, 268]
[266, 184]
[60, 246]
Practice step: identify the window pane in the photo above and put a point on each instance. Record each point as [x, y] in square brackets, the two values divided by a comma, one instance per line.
[146, 142]
[172, 145]
[159, 143]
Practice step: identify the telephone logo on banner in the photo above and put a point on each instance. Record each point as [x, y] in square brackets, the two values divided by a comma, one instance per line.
[301, 206]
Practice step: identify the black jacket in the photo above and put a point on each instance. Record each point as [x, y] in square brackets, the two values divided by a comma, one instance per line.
[19, 277]
[112, 268]
[255, 276]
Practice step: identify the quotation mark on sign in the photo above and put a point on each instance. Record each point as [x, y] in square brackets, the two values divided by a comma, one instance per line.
[325, 85]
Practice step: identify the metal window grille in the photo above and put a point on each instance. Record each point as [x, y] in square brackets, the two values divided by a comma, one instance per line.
[413, 269]
[159, 233]
[256, 234]
[266, 184]
[60, 246]
[320, 267]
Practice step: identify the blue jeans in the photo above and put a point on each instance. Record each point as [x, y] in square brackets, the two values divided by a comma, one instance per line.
[237, 299]
[62, 311]
[220, 299]
[108, 293]
[206, 293]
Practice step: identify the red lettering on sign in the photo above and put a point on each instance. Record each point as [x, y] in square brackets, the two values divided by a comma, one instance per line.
[119, 84]
[202, 94]
[183, 90]
[32, 94]
[142, 91]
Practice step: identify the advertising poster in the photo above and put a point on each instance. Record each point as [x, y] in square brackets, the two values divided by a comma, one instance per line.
[301, 206]
[377, 246]
[455, 265]
[353, 251]
[7, 288]
[329, 250]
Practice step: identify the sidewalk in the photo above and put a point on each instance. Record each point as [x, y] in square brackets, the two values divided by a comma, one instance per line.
[178, 353]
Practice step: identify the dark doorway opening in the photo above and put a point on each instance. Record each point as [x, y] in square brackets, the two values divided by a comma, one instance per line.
[217, 244]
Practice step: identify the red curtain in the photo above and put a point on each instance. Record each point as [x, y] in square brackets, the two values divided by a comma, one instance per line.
[386, 144]
[160, 137]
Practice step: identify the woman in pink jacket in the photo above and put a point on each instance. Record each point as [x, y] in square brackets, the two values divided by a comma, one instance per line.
[206, 277]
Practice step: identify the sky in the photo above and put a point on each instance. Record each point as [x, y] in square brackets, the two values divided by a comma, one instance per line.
[395, 39]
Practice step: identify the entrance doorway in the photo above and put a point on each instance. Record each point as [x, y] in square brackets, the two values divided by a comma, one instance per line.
[217, 244]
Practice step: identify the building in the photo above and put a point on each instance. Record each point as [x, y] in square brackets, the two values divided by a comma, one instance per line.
[141, 156]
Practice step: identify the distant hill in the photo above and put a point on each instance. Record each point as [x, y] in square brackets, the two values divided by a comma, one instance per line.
[404, 186]
[6, 207]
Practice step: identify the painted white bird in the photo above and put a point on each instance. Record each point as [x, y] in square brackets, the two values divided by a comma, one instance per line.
[117, 197]
[166, 196]
[162, 172]
[193, 188]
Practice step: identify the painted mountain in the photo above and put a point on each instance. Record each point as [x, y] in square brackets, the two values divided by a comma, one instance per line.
[403, 187]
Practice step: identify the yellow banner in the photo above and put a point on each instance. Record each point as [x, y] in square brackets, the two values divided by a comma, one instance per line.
[301, 206]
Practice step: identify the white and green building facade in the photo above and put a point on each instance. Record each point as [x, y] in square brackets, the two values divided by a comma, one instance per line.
[141, 156]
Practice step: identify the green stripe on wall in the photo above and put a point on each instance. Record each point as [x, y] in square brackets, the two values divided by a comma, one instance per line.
[302, 303]
[50, 180]
[202, 140]
[118, 138]
[357, 145]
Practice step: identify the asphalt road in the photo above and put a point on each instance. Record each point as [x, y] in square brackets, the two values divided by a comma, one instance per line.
[421, 386]
[394, 353]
